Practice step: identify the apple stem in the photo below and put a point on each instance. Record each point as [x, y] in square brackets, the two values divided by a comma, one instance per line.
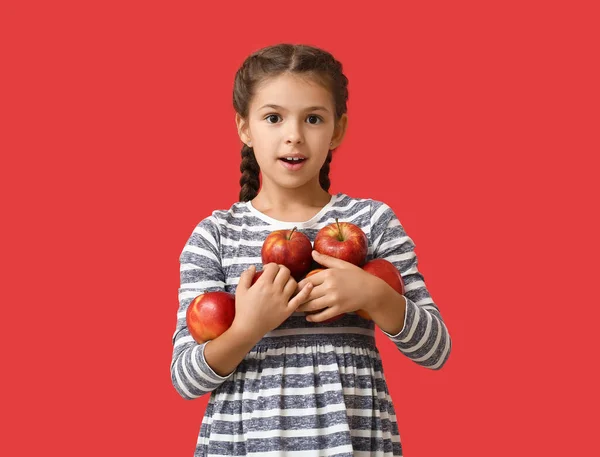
[340, 237]
[291, 233]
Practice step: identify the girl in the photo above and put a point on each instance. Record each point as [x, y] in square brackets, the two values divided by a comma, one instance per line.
[282, 381]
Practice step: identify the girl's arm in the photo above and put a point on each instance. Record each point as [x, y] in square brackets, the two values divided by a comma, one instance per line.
[423, 337]
[200, 271]
[226, 352]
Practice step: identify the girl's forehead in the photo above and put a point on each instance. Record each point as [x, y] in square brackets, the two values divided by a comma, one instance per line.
[291, 92]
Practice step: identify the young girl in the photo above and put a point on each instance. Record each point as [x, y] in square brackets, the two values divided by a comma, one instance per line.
[282, 381]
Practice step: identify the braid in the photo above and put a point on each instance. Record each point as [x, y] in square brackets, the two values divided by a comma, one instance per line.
[324, 174]
[250, 170]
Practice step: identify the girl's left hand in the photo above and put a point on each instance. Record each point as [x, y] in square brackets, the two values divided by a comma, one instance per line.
[342, 288]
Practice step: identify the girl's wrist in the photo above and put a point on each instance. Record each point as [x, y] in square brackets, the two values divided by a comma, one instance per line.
[388, 310]
[380, 293]
[244, 332]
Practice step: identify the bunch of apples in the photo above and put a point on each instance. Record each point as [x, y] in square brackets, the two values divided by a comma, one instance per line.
[211, 314]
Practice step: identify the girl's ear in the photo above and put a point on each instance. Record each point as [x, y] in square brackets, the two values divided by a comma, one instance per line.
[339, 131]
[242, 128]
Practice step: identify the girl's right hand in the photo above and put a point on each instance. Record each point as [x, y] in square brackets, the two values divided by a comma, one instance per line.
[264, 305]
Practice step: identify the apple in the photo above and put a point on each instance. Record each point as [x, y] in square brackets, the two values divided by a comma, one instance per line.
[387, 271]
[343, 240]
[331, 319]
[290, 248]
[210, 314]
[383, 269]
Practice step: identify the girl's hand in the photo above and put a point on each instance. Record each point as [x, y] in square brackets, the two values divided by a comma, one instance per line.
[263, 306]
[342, 288]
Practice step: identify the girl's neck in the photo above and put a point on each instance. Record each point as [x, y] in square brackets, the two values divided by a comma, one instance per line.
[290, 202]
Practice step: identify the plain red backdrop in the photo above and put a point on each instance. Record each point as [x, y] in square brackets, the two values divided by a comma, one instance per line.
[476, 122]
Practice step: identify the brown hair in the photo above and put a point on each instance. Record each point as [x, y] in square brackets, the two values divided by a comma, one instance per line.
[273, 61]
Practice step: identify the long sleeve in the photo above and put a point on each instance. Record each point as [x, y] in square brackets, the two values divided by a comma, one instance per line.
[424, 338]
[200, 271]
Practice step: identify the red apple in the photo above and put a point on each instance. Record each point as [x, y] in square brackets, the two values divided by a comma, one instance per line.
[385, 270]
[290, 248]
[331, 319]
[343, 240]
[210, 314]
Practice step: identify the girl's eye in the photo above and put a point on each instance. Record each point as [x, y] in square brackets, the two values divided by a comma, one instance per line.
[316, 119]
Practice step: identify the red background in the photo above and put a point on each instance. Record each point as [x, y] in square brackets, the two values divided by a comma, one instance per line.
[477, 123]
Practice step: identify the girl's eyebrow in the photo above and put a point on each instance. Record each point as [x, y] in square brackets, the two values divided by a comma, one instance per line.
[310, 108]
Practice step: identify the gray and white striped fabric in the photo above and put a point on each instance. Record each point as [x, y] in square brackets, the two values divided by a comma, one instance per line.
[306, 389]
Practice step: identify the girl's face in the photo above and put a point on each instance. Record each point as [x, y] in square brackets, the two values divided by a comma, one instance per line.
[290, 115]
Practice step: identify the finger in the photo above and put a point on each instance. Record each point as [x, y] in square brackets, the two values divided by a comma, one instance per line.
[301, 297]
[282, 277]
[290, 287]
[329, 261]
[317, 292]
[328, 313]
[246, 278]
[315, 279]
[314, 304]
[270, 271]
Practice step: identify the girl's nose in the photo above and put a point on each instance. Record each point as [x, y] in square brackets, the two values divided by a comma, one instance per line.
[294, 134]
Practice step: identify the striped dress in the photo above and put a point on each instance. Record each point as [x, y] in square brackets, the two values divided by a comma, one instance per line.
[306, 389]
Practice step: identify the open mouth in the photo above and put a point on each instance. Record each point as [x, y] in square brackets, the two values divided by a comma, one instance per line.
[292, 161]
[292, 164]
